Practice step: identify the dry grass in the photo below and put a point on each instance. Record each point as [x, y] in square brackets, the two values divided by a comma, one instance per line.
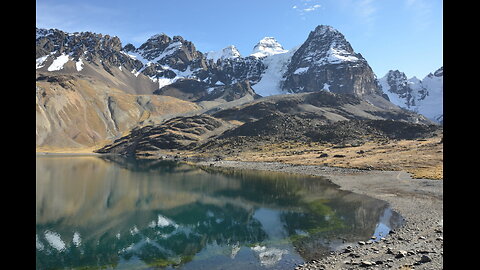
[421, 158]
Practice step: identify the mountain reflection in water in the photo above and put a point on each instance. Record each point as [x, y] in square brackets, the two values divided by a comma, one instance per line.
[149, 214]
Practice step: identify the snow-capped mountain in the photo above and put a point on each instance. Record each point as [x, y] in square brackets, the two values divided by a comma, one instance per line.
[422, 96]
[95, 89]
[229, 52]
[326, 60]
[166, 60]
[266, 47]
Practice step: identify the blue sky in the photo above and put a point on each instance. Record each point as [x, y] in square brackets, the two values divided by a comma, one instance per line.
[391, 34]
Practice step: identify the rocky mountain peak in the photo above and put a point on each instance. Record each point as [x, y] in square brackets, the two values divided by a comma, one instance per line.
[233, 51]
[176, 53]
[129, 48]
[266, 47]
[322, 30]
[154, 46]
[326, 60]
[158, 39]
[397, 81]
[326, 45]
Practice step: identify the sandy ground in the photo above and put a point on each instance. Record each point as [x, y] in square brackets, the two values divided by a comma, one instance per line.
[418, 244]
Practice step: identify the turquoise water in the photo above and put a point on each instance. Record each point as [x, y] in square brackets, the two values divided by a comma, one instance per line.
[96, 213]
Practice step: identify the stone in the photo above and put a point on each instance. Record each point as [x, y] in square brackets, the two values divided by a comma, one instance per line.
[401, 254]
[425, 259]
[367, 263]
[354, 255]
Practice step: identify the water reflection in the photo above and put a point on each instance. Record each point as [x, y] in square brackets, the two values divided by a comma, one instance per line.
[148, 214]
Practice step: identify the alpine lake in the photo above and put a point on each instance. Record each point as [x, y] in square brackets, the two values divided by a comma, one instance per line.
[106, 212]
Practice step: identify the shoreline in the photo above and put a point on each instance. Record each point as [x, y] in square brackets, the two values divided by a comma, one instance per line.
[42, 154]
[417, 244]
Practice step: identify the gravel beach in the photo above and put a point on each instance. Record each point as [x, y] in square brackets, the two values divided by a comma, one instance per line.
[418, 244]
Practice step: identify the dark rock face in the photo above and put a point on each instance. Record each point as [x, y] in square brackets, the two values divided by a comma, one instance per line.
[327, 61]
[231, 92]
[186, 89]
[154, 46]
[196, 91]
[398, 83]
[230, 71]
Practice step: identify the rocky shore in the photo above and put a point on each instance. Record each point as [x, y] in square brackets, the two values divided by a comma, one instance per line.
[418, 244]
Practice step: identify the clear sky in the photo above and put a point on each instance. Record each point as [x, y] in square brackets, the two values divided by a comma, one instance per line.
[390, 34]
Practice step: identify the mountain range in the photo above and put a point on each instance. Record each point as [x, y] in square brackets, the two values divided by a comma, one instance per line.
[92, 90]
[422, 96]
